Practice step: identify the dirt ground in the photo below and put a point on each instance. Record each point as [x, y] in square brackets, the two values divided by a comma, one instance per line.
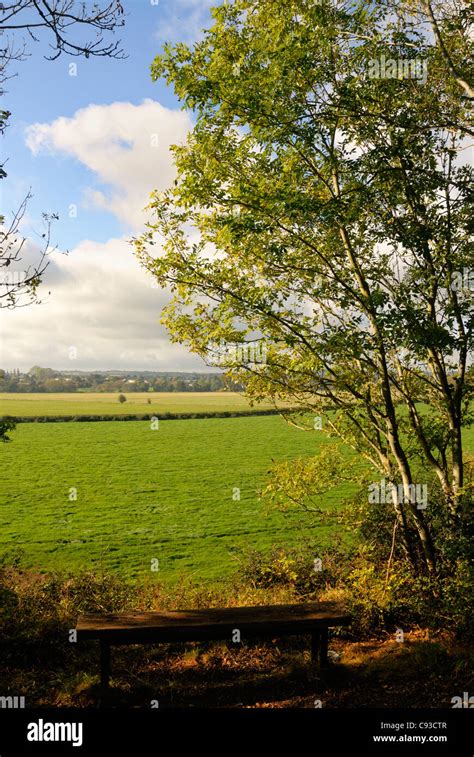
[421, 671]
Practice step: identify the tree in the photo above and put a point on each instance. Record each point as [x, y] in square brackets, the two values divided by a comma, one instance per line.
[56, 17]
[61, 20]
[6, 425]
[20, 287]
[122, 398]
[41, 374]
[329, 199]
[450, 23]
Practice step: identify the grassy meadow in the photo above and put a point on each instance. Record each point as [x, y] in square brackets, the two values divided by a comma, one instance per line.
[106, 403]
[168, 495]
[142, 494]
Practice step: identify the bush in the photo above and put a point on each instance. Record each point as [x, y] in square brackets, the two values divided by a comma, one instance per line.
[6, 424]
[308, 569]
[358, 578]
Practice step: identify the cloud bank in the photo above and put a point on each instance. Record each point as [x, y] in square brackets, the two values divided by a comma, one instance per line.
[102, 303]
[125, 146]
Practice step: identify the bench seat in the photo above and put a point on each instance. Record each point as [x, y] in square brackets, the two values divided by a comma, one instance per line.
[212, 624]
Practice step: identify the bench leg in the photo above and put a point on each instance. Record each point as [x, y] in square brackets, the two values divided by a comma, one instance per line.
[315, 647]
[104, 668]
[319, 648]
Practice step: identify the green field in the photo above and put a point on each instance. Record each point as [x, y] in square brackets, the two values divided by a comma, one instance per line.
[143, 494]
[146, 494]
[97, 403]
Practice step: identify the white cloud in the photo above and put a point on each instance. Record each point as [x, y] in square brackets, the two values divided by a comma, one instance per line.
[126, 146]
[103, 304]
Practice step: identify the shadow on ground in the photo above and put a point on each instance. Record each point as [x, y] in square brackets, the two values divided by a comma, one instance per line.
[418, 672]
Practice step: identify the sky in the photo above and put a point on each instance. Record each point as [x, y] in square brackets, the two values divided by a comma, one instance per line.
[91, 143]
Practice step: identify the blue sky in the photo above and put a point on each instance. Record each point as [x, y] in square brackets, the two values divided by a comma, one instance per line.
[82, 143]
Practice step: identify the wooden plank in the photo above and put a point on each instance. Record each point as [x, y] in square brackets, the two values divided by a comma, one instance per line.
[211, 623]
[327, 611]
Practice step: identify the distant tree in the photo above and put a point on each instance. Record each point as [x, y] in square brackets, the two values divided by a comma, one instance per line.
[122, 398]
[41, 374]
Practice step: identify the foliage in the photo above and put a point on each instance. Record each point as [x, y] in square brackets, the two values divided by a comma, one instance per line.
[6, 425]
[378, 603]
[306, 481]
[330, 217]
[38, 611]
[295, 568]
[38, 380]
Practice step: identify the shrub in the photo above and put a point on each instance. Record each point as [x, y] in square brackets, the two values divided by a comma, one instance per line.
[379, 600]
[308, 569]
[6, 424]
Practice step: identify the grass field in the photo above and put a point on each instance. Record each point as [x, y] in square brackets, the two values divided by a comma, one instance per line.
[97, 403]
[143, 494]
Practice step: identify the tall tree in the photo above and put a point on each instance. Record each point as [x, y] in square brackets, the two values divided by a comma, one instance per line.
[327, 195]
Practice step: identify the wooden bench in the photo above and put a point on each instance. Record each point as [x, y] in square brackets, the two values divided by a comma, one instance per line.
[211, 625]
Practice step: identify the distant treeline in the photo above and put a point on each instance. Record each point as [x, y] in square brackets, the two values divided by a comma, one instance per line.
[48, 380]
[140, 416]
